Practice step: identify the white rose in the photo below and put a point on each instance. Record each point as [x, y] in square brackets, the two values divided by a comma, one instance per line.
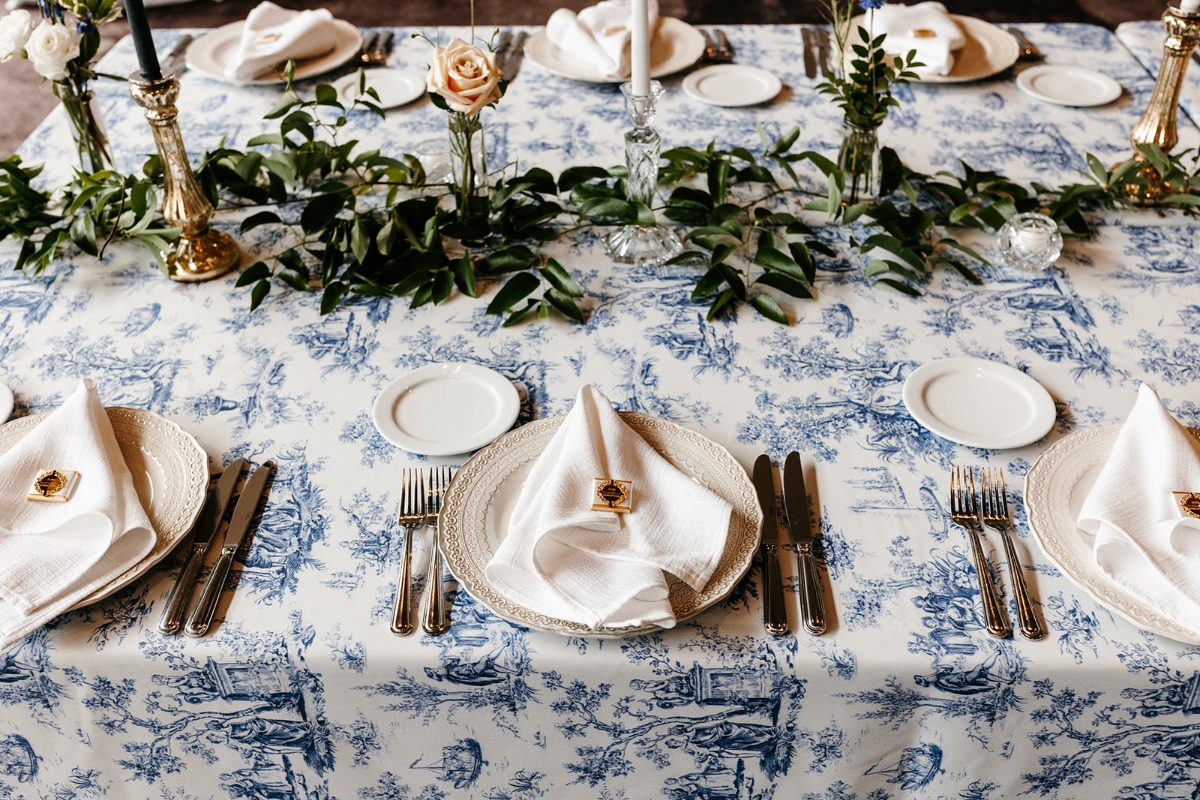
[50, 47]
[465, 75]
[14, 32]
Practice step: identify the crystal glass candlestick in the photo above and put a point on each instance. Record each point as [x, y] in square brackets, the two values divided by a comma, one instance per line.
[200, 253]
[642, 244]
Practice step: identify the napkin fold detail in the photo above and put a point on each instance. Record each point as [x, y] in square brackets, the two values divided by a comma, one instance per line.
[562, 559]
[1142, 539]
[598, 35]
[925, 27]
[272, 35]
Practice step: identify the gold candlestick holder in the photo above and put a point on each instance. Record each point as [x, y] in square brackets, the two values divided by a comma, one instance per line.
[200, 253]
[1158, 124]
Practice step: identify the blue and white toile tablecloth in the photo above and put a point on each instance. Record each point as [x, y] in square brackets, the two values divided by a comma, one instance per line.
[302, 692]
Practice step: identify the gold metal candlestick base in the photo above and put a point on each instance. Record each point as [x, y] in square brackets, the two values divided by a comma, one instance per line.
[200, 254]
[1158, 125]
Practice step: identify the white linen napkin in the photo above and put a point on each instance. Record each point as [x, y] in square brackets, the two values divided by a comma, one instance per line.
[272, 35]
[54, 554]
[598, 36]
[566, 561]
[925, 27]
[1142, 539]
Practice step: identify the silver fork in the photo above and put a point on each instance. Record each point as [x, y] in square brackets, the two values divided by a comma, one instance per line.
[997, 517]
[412, 516]
[376, 48]
[964, 510]
[724, 48]
[434, 619]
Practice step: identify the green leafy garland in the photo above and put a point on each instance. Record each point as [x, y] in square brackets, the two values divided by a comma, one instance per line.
[357, 222]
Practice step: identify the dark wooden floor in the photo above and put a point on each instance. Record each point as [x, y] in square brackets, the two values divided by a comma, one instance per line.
[26, 99]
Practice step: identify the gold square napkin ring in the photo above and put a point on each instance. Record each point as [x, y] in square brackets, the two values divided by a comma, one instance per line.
[613, 495]
[1190, 503]
[54, 485]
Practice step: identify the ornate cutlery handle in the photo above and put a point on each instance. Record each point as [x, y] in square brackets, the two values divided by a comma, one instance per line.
[435, 622]
[774, 611]
[402, 612]
[993, 613]
[181, 592]
[1031, 626]
[201, 618]
[812, 606]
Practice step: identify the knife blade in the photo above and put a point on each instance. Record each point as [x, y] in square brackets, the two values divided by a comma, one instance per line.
[774, 612]
[512, 64]
[203, 532]
[239, 524]
[822, 37]
[795, 504]
[174, 62]
[503, 48]
[810, 52]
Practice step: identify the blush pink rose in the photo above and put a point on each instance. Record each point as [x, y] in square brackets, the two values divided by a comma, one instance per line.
[465, 76]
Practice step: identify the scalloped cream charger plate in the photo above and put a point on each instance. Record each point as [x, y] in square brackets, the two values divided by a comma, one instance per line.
[170, 474]
[675, 47]
[1055, 489]
[209, 54]
[988, 51]
[479, 503]
[444, 409]
[979, 403]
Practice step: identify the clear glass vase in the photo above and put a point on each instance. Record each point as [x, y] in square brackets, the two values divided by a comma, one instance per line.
[87, 128]
[860, 163]
[468, 163]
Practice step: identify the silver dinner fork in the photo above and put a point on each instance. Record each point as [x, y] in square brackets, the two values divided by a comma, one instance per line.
[376, 48]
[434, 619]
[964, 510]
[412, 516]
[997, 517]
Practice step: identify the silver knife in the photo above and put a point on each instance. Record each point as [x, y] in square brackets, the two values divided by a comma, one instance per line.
[810, 52]
[243, 515]
[795, 503]
[503, 48]
[774, 611]
[203, 533]
[512, 64]
[822, 37]
[174, 62]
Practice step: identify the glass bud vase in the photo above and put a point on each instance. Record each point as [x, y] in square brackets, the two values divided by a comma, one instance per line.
[468, 162]
[87, 128]
[860, 163]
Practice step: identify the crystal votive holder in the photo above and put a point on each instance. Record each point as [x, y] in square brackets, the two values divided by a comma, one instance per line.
[1030, 242]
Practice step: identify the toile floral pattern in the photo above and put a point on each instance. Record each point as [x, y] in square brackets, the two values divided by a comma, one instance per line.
[302, 692]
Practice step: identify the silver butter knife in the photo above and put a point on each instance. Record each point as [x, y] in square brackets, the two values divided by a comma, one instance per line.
[774, 611]
[810, 52]
[174, 61]
[795, 503]
[512, 64]
[204, 531]
[243, 515]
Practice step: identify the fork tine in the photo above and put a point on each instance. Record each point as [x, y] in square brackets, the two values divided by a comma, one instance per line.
[1004, 497]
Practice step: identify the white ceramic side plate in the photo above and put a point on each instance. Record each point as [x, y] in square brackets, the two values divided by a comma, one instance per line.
[444, 409]
[1068, 86]
[979, 403]
[731, 85]
[395, 87]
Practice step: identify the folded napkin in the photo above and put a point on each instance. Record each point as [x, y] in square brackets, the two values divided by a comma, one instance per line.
[1142, 539]
[272, 35]
[925, 27]
[598, 36]
[54, 554]
[566, 561]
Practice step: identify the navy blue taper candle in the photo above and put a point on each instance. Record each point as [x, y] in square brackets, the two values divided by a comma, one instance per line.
[143, 42]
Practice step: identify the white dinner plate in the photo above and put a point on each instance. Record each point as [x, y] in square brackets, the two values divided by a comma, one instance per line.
[444, 409]
[209, 54]
[675, 47]
[1068, 86]
[988, 51]
[6, 401]
[395, 87]
[480, 500]
[170, 474]
[731, 85]
[1055, 489]
[979, 403]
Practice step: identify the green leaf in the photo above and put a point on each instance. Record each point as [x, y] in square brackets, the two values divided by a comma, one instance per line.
[464, 276]
[766, 305]
[516, 289]
[564, 303]
[560, 279]
[259, 293]
[320, 211]
[724, 299]
[261, 218]
[574, 176]
[258, 271]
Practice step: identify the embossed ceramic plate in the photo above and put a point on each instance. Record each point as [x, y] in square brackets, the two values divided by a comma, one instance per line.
[1055, 489]
[478, 504]
[675, 47]
[988, 51]
[979, 403]
[209, 54]
[1068, 86]
[6, 401]
[170, 474]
